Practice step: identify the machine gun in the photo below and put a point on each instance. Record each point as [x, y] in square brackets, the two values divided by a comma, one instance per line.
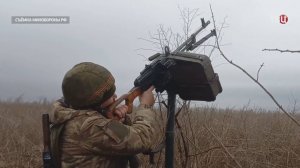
[187, 74]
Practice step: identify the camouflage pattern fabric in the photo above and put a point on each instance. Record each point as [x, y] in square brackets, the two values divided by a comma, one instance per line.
[91, 140]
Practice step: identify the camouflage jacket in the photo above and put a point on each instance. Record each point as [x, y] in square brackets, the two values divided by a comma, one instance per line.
[91, 140]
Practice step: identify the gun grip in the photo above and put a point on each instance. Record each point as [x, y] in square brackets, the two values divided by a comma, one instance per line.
[128, 98]
[133, 93]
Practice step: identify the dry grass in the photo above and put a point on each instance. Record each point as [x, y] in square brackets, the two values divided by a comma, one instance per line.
[21, 133]
[254, 138]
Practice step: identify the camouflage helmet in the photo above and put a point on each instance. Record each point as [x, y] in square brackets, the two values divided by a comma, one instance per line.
[87, 84]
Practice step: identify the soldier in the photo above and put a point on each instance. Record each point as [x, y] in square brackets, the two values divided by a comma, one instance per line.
[84, 134]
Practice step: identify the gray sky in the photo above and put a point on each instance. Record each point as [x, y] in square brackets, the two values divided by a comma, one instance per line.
[34, 58]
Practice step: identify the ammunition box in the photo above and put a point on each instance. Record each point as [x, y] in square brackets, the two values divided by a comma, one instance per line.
[194, 77]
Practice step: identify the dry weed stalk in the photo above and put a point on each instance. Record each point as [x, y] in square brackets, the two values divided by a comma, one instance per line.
[223, 146]
[282, 51]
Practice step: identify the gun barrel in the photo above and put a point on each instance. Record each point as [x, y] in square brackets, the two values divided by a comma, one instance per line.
[47, 159]
[184, 45]
[212, 33]
[204, 25]
[46, 132]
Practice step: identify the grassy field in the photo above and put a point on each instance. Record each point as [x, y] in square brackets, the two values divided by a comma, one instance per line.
[205, 137]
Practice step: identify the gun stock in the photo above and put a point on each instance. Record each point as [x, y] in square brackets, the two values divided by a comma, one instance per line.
[128, 98]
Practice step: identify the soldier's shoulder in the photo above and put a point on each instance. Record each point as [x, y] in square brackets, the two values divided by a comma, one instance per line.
[116, 130]
[94, 118]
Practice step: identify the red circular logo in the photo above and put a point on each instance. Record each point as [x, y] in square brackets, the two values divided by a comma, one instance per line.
[283, 19]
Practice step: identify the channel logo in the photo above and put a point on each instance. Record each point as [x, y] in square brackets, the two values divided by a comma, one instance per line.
[283, 19]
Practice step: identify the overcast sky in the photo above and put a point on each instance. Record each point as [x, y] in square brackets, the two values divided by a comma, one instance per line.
[35, 57]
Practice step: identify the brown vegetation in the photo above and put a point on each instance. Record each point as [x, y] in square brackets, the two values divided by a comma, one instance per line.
[208, 137]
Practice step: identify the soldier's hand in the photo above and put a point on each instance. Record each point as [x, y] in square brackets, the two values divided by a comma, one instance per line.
[147, 98]
[119, 113]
